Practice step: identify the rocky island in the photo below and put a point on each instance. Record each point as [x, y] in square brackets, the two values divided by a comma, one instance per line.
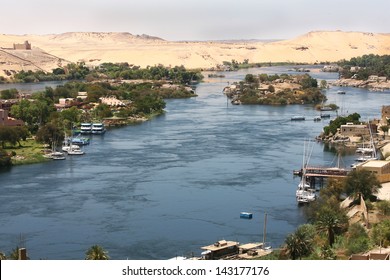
[275, 90]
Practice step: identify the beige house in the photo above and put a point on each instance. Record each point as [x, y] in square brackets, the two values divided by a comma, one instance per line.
[381, 168]
[378, 167]
[64, 103]
[351, 129]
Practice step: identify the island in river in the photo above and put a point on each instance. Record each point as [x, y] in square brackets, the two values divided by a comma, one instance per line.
[275, 89]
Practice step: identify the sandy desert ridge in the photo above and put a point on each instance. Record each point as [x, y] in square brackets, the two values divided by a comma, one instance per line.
[55, 50]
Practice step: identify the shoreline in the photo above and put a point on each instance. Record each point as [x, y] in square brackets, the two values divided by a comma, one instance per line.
[373, 85]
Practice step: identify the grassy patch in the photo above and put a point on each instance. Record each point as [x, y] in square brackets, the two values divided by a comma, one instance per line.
[29, 152]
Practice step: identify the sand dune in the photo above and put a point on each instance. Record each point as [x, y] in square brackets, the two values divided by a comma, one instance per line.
[50, 51]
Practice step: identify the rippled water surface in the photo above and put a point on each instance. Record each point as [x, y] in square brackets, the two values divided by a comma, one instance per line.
[176, 183]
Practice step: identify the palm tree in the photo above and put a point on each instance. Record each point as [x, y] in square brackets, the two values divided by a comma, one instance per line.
[300, 243]
[330, 221]
[361, 182]
[96, 252]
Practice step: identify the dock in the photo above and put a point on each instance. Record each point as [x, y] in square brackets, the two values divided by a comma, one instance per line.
[323, 172]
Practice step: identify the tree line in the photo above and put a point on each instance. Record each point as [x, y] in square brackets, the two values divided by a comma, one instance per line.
[366, 66]
[126, 71]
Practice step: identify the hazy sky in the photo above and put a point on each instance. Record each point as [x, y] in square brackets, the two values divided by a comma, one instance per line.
[195, 19]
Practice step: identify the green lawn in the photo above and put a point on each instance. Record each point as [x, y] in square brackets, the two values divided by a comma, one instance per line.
[29, 152]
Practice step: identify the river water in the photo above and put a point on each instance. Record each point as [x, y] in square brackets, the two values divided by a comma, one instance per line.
[178, 182]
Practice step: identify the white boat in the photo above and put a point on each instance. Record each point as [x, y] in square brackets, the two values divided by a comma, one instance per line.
[66, 148]
[72, 149]
[86, 128]
[368, 153]
[75, 152]
[98, 128]
[305, 193]
[340, 92]
[58, 157]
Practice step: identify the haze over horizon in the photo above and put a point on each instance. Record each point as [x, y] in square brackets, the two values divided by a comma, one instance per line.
[202, 20]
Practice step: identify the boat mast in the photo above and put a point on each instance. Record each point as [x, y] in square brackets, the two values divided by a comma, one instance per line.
[264, 229]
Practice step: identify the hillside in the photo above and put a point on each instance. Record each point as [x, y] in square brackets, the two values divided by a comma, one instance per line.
[50, 51]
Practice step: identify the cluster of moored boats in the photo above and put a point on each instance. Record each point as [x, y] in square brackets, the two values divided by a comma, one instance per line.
[72, 145]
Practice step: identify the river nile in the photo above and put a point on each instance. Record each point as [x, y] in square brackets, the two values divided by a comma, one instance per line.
[178, 182]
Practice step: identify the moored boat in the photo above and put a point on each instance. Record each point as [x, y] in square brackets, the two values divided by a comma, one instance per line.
[317, 119]
[86, 128]
[98, 128]
[80, 141]
[75, 152]
[298, 118]
[246, 215]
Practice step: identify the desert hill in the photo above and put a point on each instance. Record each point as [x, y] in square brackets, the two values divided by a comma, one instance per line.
[51, 51]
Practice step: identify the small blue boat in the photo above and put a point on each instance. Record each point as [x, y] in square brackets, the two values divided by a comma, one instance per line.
[80, 141]
[246, 215]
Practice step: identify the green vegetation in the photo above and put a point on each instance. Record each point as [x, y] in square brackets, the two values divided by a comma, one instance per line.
[12, 135]
[264, 89]
[73, 71]
[9, 93]
[177, 74]
[366, 66]
[96, 252]
[300, 243]
[78, 71]
[361, 183]
[28, 151]
[336, 123]
[329, 234]
[142, 100]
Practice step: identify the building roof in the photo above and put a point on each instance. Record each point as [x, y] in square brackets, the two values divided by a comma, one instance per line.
[220, 245]
[376, 163]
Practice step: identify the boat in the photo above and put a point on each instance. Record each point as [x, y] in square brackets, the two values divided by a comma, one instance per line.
[340, 92]
[298, 118]
[86, 128]
[317, 119]
[80, 141]
[325, 116]
[246, 215]
[368, 153]
[98, 128]
[58, 156]
[75, 152]
[305, 193]
[67, 147]
[71, 148]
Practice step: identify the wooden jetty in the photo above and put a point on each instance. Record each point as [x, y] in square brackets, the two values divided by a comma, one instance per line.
[316, 175]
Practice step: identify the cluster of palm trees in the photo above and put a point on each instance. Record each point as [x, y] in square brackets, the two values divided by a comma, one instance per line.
[95, 252]
[327, 219]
